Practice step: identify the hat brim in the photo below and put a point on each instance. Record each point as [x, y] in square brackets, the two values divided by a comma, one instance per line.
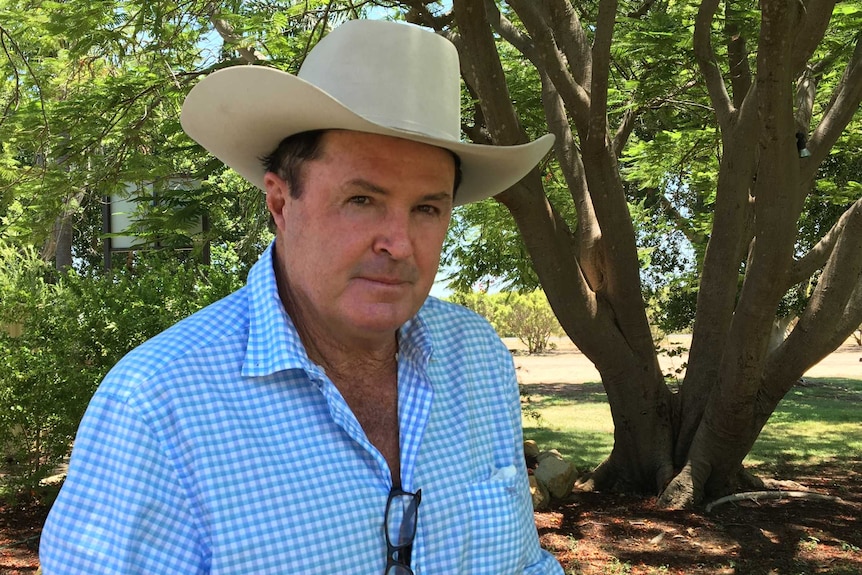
[240, 115]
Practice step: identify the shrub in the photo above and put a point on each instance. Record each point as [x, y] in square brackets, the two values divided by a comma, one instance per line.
[527, 316]
[63, 335]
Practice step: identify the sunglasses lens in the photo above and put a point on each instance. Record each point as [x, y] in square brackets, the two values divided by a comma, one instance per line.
[401, 520]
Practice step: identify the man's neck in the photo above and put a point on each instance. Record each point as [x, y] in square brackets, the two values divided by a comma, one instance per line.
[339, 354]
[348, 359]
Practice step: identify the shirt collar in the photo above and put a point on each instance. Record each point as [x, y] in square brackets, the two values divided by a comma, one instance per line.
[274, 344]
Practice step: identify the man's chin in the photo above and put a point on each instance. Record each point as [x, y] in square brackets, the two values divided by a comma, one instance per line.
[381, 316]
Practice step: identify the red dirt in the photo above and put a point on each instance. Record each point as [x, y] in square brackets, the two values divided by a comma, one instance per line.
[598, 534]
[20, 526]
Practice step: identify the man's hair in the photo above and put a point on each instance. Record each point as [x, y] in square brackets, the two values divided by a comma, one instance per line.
[287, 158]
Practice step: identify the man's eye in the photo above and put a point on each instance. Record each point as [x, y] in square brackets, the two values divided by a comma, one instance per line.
[360, 200]
[428, 209]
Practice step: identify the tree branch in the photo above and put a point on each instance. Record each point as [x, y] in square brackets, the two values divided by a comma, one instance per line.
[478, 132]
[760, 495]
[737, 54]
[588, 245]
[851, 319]
[554, 63]
[419, 14]
[479, 59]
[682, 223]
[833, 307]
[809, 33]
[845, 103]
[631, 115]
[817, 256]
[624, 130]
[226, 31]
[806, 90]
[708, 66]
[570, 37]
[641, 11]
[511, 34]
[601, 66]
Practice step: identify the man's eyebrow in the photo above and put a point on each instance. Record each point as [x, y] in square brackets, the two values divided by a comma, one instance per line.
[377, 190]
[367, 186]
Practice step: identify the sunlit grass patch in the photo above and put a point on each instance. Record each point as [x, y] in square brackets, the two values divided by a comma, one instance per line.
[582, 432]
[815, 423]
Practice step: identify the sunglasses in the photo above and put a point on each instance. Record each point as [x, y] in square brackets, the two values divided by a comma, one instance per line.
[402, 512]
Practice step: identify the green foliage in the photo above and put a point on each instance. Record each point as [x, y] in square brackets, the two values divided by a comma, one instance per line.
[483, 243]
[526, 316]
[62, 335]
[529, 317]
[487, 305]
[672, 307]
[90, 95]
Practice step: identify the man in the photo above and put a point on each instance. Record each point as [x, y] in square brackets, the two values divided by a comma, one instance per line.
[326, 418]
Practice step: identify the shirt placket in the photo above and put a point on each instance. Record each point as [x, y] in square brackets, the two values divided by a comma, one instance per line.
[344, 417]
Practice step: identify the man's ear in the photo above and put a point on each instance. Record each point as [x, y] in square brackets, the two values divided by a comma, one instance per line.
[277, 194]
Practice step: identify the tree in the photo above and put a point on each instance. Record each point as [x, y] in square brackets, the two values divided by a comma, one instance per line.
[526, 316]
[529, 318]
[770, 70]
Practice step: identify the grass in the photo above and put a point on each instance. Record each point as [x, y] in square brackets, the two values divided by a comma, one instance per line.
[580, 429]
[814, 423]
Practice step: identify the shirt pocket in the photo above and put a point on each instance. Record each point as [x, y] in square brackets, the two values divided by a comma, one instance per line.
[496, 545]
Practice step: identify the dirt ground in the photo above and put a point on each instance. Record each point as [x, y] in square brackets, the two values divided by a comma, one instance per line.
[599, 534]
[608, 534]
[566, 364]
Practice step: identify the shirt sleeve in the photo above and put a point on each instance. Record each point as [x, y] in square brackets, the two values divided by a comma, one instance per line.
[539, 561]
[122, 509]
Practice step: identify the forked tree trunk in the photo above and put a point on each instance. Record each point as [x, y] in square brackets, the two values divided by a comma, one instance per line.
[687, 446]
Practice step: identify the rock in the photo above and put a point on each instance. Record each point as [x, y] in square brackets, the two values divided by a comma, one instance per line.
[541, 497]
[556, 474]
[531, 453]
[552, 453]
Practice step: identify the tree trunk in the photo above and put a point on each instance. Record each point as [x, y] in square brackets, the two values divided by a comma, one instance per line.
[687, 446]
[58, 247]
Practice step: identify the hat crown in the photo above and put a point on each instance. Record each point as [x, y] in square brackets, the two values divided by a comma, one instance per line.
[395, 75]
[369, 76]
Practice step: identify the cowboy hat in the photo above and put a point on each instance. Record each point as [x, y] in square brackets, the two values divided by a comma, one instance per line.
[366, 75]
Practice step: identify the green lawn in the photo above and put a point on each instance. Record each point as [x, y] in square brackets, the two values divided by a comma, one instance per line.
[819, 422]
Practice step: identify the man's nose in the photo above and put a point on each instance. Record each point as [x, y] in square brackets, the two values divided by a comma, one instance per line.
[395, 237]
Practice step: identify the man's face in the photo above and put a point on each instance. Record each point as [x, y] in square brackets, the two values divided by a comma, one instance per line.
[359, 248]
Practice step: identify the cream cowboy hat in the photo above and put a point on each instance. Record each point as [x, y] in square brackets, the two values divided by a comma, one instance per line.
[366, 75]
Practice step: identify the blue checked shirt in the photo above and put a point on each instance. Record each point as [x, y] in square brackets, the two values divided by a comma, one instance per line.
[219, 447]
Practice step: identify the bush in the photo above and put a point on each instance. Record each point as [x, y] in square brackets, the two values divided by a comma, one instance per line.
[63, 335]
[527, 316]
[489, 306]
